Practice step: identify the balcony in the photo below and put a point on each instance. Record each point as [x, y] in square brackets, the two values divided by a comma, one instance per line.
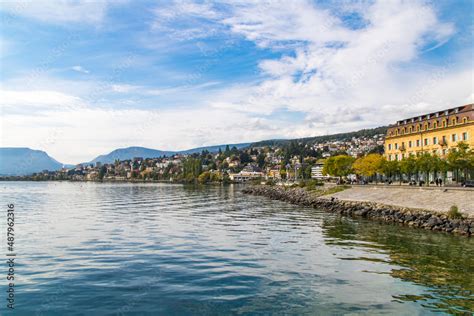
[443, 143]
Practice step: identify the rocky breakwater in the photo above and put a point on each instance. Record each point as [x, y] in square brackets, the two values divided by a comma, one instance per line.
[376, 211]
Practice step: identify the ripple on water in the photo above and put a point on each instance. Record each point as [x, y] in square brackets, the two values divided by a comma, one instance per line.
[89, 248]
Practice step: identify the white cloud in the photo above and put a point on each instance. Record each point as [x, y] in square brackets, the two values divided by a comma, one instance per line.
[74, 135]
[31, 99]
[341, 78]
[59, 11]
[342, 73]
[80, 69]
[124, 88]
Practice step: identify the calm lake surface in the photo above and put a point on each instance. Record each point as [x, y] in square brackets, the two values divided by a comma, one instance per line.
[159, 249]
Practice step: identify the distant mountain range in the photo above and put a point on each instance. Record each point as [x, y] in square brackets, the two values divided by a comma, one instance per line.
[23, 161]
[132, 152]
[129, 153]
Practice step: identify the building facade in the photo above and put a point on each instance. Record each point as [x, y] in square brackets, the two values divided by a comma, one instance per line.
[435, 133]
[244, 176]
[317, 170]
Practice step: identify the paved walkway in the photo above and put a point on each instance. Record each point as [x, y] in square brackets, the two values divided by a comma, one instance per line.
[435, 199]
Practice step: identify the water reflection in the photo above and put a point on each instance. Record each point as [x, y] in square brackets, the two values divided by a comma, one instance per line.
[443, 263]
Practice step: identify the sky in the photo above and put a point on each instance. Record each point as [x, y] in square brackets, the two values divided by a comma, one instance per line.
[82, 78]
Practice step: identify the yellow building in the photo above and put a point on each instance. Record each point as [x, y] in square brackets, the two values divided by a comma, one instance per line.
[435, 133]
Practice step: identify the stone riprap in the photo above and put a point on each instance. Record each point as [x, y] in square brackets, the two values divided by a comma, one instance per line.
[420, 218]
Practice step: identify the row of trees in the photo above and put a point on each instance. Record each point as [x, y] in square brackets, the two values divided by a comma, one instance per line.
[460, 161]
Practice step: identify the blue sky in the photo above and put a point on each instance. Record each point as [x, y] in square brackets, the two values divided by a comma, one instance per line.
[81, 78]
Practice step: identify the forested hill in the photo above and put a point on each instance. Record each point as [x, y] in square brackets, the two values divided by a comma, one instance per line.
[325, 138]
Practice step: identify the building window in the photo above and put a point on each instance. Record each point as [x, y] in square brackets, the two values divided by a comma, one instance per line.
[435, 140]
[417, 143]
[453, 121]
[426, 142]
[444, 140]
[409, 143]
[435, 124]
[396, 145]
[389, 146]
[464, 120]
[444, 123]
[464, 136]
[454, 137]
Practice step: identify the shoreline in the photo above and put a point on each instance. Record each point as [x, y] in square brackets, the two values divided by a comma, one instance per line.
[413, 217]
[121, 181]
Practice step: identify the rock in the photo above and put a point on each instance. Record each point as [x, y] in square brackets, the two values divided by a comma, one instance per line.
[406, 216]
[433, 221]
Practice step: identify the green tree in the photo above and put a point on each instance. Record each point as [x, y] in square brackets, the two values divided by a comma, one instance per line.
[338, 166]
[368, 166]
[102, 172]
[244, 157]
[204, 177]
[227, 151]
[426, 163]
[408, 166]
[390, 168]
[461, 159]
[261, 160]
[192, 168]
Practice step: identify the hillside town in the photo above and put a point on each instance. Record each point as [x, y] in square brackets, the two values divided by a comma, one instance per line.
[433, 148]
[295, 160]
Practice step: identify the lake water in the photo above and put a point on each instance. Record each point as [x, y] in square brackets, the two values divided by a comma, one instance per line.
[159, 249]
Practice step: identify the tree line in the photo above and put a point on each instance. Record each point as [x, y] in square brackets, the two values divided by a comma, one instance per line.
[459, 161]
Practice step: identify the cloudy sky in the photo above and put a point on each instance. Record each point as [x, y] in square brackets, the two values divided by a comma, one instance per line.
[81, 78]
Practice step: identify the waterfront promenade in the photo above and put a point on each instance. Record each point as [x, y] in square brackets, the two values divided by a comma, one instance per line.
[438, 199]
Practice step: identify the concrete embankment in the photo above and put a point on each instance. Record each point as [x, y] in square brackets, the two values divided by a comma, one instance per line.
[436, 199]
[420, 218]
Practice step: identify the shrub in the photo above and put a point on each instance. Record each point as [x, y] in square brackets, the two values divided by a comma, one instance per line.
[312, 184]
[335, 189]
[454, 212]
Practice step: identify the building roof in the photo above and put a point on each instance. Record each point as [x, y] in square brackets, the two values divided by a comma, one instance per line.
[427, 116]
